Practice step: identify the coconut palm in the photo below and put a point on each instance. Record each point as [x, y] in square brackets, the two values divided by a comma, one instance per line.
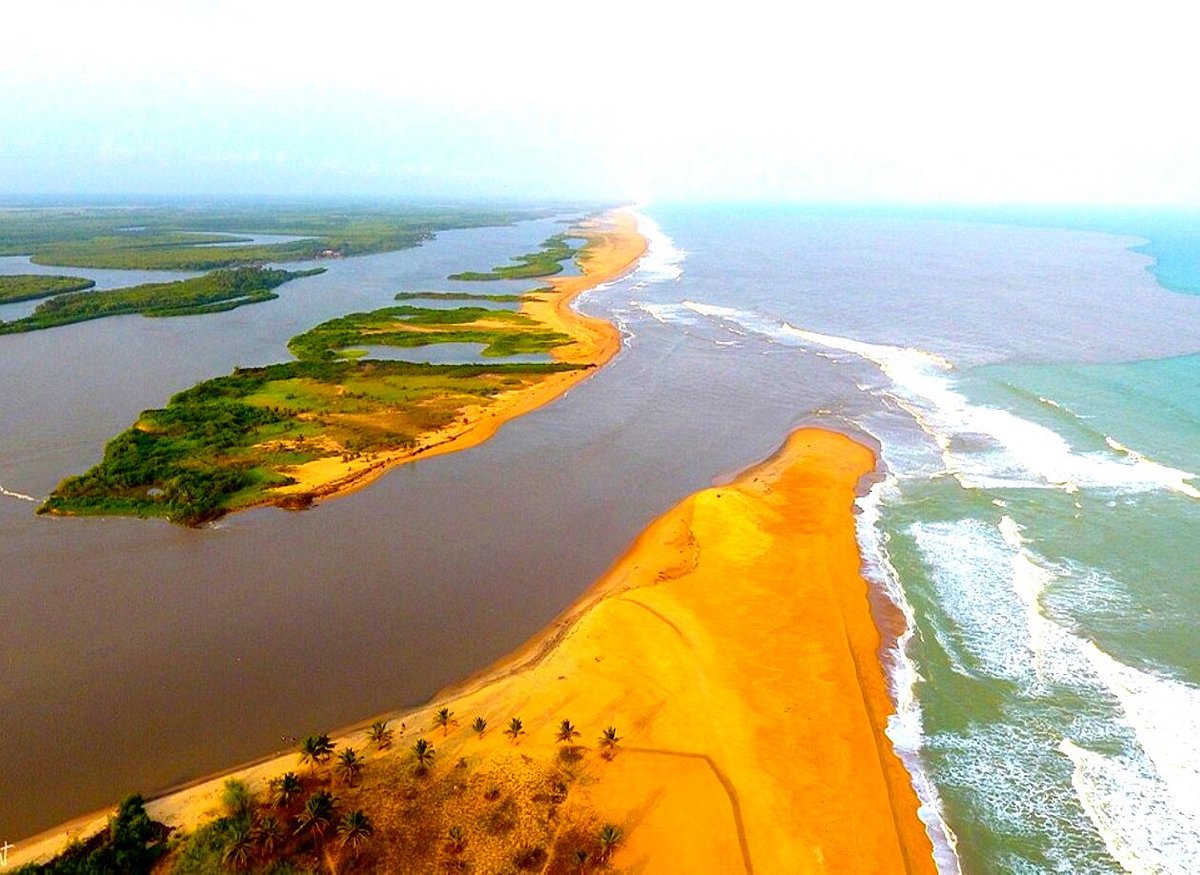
[380, 735]
[240, 847]
[444, 718]
[423, 753]
[349, 765]
[268, 833]
[285, 788]
[355, 830]
[580, 859]
[316, 750]
[458, 839]
[316, 815]
[609, 838]
[566, 732]
[516, 728]
[479, 725]
[608, 742]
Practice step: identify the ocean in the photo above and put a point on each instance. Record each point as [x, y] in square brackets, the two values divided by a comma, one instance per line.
[1036, 394]
[1033, 388]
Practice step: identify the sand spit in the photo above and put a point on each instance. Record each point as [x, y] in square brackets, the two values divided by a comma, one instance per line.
[733, 649]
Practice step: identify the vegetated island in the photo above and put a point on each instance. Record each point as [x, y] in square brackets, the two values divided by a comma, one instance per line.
[214, 292]
[31, 286]
[545, 262]
[182, 238]
[293, 433]
[715, 703]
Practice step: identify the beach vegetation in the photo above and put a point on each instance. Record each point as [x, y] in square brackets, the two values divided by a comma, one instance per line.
[349, 766]
[544, 262]
[286, 789]
[479, 726]
[236, 799]
[268, 834]
[380, 734]
[423, 753]
[316, 750]
[516, 728]
[355, 830]
[317, 815]
[459, 296]
[456, 839]
[610, 836]
[131, 842]
[31, 286]
[566, 733]
[444, 718]
[608, 742]
[212, 293]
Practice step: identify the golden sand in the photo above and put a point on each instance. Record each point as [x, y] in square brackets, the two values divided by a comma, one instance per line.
[733, 648]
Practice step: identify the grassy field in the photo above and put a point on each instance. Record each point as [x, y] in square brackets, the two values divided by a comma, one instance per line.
[502, 332]
[175, 238]
[224, 443]
[30, 286]
[211, 293]
[545, 262]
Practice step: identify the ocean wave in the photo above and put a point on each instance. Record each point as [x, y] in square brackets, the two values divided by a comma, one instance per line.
[663, 258]
[1144, 802]
[905, 727]
[983, 447]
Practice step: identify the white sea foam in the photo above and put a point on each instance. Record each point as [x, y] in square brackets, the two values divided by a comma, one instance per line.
[663, 258]
[904, 727]
[1006, 450]
[1146, 803]
[18, 495]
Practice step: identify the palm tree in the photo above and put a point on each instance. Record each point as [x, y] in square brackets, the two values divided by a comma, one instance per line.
[580, 859]
[610, 837]
[317, 814]
[608, 742]
[268, 833]
[240, 846]
[316, 750]
[479, 725]
[443, 718]
[355, 830]
[458, 839]
[423, 753]
[379, 734]
[349, 765]
[516, 728]
[566, 732]
[286, 788]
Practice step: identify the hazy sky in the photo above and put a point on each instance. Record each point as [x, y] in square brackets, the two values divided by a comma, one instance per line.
[973, 100]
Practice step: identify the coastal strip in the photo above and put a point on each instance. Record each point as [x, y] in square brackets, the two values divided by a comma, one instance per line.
[733, 650]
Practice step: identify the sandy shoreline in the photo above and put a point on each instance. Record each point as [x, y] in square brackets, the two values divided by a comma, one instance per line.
[734, 649]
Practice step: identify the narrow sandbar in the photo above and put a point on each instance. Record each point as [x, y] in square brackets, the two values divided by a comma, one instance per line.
[734, 650]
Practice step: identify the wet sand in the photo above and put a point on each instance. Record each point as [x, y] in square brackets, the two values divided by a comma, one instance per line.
[734, 650]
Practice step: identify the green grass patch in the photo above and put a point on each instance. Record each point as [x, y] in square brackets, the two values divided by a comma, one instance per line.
[458, 296]
[545, 262]
[211, 293]
[31, 286]
[225, 443]
[501, 332]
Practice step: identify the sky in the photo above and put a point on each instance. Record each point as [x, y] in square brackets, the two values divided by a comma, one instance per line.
[963, 102]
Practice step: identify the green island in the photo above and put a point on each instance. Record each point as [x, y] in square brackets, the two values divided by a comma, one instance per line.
[547, 261]
[459, 296]
[212, 293]
[226, 443]
[31, 286]
[183, 238]
[502, 332]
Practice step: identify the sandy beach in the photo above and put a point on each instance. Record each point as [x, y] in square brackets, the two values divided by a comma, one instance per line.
[734, 649]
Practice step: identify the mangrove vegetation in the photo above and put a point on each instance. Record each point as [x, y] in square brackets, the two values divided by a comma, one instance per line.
[31, 286]
[545, 262]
